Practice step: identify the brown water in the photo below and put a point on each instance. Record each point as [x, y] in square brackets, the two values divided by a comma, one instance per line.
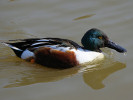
[110, 79]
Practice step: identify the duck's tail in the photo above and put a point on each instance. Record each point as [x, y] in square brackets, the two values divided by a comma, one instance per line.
[16, 50]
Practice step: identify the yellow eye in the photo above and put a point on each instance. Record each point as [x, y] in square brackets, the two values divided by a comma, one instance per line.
[100, 37]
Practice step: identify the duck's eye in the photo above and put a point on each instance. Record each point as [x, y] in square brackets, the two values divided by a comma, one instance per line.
[100, 37]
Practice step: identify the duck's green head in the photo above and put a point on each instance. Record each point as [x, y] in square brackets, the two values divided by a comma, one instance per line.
[94, 39]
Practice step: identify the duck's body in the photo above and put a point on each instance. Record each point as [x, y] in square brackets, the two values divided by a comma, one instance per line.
[62, 53]
[53, 52]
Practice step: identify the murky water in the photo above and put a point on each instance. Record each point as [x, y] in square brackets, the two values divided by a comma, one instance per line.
[110, 79]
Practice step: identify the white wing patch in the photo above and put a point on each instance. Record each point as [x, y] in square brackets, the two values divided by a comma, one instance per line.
[43, 40]
[56, 47]
[37, 43]
[26, 54]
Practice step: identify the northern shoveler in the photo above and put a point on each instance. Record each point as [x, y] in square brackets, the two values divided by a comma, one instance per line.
[63, 53]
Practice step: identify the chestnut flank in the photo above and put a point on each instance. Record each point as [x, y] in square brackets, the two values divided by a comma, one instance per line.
[54, 58]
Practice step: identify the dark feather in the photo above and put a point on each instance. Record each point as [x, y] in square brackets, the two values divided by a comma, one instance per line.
[31, 44]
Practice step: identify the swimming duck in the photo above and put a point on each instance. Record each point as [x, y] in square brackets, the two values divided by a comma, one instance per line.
[63, 53]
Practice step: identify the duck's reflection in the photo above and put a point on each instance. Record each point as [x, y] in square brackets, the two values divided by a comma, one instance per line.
[94, 77]
[38, 74]
[22, 73]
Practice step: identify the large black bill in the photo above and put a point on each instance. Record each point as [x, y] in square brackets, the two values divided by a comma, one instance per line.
[116, 47]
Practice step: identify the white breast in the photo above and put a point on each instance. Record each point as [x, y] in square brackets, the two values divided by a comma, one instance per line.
[84, 56]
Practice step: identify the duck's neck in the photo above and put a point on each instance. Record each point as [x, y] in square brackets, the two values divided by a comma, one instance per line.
[90, 44]
[87, 44]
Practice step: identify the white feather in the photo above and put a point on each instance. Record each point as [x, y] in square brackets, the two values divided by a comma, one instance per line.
[56, 47]
[11, 46]
[43, 40]
[84, 56]
[63, 49]
[37, 43]
[26, 54]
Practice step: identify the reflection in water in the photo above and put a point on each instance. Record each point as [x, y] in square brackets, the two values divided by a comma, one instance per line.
[37, 74]
[21, 73]
[93, 77]
[28, 74]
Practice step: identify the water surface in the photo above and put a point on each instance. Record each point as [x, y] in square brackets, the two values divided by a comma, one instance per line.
[110, 79]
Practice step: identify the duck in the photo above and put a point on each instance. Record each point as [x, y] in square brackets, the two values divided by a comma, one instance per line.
[63, 53]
